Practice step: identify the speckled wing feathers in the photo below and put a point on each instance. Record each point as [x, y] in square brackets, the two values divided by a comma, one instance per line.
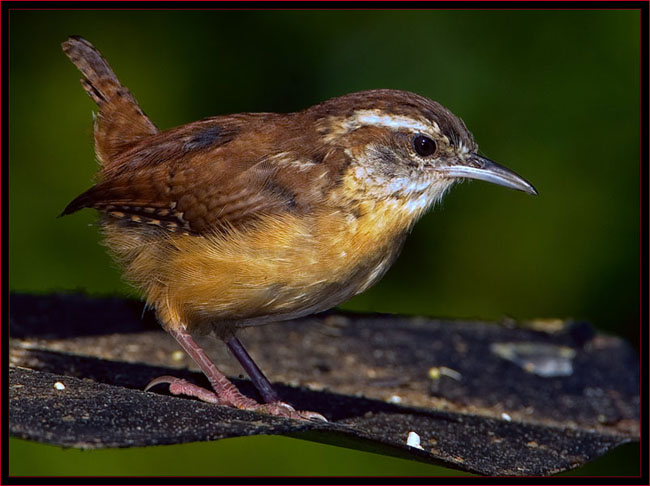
[163, 184]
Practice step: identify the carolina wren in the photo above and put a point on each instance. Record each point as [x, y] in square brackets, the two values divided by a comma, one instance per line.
[245, 219]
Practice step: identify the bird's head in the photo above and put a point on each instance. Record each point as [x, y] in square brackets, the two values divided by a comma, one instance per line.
[406, 147]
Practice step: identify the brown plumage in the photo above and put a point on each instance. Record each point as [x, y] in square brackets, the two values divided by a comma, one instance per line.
[120, 121]
[249, 218]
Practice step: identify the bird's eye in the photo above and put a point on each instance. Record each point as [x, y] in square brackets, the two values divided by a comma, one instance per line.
[424, 146]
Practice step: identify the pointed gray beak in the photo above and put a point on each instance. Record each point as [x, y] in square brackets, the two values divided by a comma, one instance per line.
[484, 169]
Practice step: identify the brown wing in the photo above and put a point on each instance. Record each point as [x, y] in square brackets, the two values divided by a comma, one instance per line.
[195, 179]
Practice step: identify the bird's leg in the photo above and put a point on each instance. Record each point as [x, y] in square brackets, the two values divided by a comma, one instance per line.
[225, 393]
[260, 381]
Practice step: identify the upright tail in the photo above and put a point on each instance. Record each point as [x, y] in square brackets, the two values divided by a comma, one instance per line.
[120, 121]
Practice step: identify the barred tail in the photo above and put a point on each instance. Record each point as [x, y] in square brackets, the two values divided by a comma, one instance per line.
[120, 121]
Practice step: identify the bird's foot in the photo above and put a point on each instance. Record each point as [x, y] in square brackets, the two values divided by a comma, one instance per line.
[283, 409]
[178, 386]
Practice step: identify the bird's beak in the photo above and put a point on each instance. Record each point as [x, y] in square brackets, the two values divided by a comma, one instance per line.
[481, 168]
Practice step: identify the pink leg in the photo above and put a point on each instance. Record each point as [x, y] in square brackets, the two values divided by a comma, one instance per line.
[225, 393]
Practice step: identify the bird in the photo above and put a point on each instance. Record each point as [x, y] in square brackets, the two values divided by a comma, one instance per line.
[245, 219]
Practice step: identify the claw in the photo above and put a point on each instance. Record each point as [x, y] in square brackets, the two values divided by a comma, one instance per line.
[313, 416]
[160, 380]
[178, 386]
[283, 409]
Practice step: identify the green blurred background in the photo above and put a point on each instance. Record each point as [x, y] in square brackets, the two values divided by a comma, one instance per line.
[552, 95]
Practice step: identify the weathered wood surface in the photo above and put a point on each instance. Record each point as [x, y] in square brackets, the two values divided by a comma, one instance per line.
[485, 398]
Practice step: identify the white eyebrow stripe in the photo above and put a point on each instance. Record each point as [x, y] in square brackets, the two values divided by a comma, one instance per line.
[370, 117]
